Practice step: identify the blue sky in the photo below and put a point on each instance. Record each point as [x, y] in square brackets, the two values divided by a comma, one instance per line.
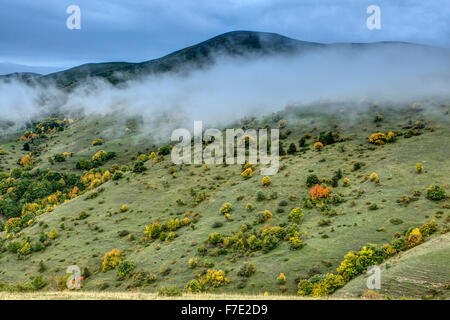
[34, 32]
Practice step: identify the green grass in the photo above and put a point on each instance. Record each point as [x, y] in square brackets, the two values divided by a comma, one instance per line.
[152, 196]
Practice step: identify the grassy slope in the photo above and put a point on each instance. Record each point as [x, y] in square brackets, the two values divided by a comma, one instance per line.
[416, 273]
[148, 199]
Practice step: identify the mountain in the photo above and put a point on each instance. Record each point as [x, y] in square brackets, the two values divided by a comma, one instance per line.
[231, 44]
[7, 68]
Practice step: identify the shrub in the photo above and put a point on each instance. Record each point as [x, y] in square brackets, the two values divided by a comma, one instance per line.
[254, 244]
[194, 286]
[281, 278]
[296, 215]
[97, 142]
[125, 268]
[226, 208]
[215, 238]
[25, 249]
[260, 196]
[164, 150]
[143, 278]
[414, 238]
[123, 208]
[302, 142]
[173, 224]
[38, 282]
[138, 167]
[396, 221]
[436, 193]
[53, 234]
[193, 263]
[312, 180]
[378, 138]
[349, 267]
[283, 203]
[428, 228]
[266, 181]
[111, 259]
[295, 242]
[170, 236]
[346, 182]
[82, 215]
[264, 216]
[249, 207]
[216, 278]
[327, 285]
[374, 177]
[13, 224]
[202, 251]
[358, 165]
[167, 291]
[59, 158]
[399, 244]
[305, 288]
[318, 146]
[247, 270]
[390, 136]
[270, 242]
[13, 246]
[319, 192]
[117, 175]
[162, 236]
[247, 173]
[419, 168]
[292, 149]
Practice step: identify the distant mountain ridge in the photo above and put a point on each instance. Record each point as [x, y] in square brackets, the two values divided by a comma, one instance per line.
[235, 43]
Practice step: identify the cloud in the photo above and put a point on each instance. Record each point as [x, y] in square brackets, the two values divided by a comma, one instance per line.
[235, 88]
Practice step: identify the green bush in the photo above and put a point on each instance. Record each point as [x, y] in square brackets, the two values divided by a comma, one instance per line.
[59, 157]
[296, 215]
[142, 278]
[292, 149]
[167, 291]
[38, 282]
[270, 242]
[125, 268]
[194, 286]
[215, 238]
[260, 196]
[138, 167]
[436, 193]
[312, 180]
[247, 270]
[13, 246]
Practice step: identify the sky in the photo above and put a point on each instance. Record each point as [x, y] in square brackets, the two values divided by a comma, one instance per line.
[34, 35]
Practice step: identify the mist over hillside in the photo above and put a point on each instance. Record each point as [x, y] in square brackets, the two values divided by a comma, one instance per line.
[231, 76]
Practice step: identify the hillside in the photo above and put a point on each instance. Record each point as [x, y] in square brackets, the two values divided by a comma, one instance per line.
[418, 273]
[111, 210]
[202, 55]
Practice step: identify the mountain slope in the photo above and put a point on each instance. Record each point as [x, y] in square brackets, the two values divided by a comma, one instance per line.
[231, 44]
[417, 273]
[159, 195]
